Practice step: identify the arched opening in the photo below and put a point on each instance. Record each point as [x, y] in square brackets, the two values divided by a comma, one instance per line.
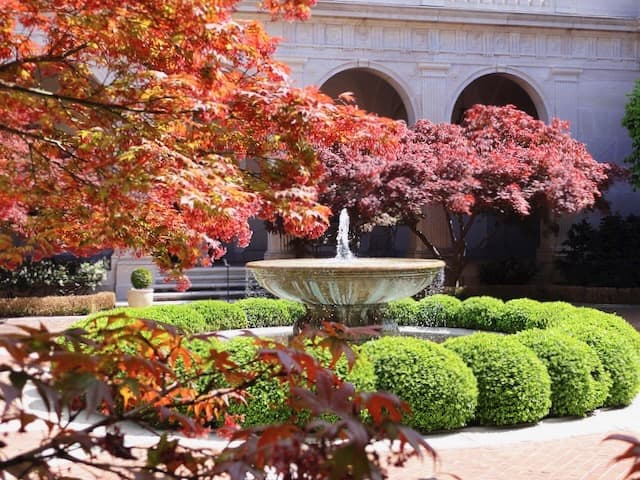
[373, 94]
[494, 89]
[497, 237]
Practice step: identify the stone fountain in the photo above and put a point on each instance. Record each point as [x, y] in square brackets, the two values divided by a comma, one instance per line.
[345, 289]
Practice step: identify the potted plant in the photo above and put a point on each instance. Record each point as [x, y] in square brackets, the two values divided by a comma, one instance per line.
[141, 295]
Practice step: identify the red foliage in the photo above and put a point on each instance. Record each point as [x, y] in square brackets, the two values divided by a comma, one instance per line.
[500, 160]
[129, 371]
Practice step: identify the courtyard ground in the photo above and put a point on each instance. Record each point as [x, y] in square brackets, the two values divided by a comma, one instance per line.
[555, 449]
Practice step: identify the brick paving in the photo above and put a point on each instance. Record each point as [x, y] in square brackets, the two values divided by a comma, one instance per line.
[584, 457]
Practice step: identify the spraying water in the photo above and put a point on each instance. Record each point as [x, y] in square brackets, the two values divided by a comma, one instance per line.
[343, 251]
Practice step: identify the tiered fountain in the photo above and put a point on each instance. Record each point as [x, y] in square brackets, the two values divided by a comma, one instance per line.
[345, 289]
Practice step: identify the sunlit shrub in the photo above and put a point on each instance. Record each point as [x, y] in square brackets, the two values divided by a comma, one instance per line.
[513, 384]
[439, 388]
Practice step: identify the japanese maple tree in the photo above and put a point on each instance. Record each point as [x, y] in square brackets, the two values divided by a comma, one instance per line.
[500, 160]
[155, 126]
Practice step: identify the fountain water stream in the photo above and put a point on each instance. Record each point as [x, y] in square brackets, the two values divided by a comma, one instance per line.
[346, 289]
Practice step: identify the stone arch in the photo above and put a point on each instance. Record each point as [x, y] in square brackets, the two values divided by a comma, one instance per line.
[396, 85]
[499, 237]
[519, 86]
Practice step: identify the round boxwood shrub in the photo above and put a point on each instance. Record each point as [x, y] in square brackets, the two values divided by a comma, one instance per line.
[513, 384]
[220, 315]
[439, 388]
[268, 398]
[437, 311]
[479, 313]
[141, 278]
[579, 382]
[552, 313]
[617, 354]
[264, 312]
[402, 311]
[519, 314]
[608, 321]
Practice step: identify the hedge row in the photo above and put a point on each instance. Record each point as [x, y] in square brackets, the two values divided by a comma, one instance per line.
[592, 357]
[55, 305]
[212, 315]
[564, 360]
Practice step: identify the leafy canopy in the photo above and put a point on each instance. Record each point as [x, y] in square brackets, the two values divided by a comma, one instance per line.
[156, 126]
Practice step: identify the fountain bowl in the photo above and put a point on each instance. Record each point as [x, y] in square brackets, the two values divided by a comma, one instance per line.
[348, 291]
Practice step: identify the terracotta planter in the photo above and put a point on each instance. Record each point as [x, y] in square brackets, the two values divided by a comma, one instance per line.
[140, 297]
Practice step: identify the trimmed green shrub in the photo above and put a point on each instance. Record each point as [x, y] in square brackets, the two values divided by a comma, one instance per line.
[141, 278]
[608, 321]
[579, 382]
[439, 388]
[552, 313]
[264, 312]
[402, 311]
[437, 311]
[479, 313]
[513, 384]
[617, 354]
[268, 397]
[220, 315]
[297, 310]
[520, 314]
[181, 316]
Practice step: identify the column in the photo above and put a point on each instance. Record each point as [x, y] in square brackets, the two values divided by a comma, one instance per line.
[434, 91]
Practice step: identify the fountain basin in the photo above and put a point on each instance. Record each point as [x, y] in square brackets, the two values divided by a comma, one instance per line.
[348, 291]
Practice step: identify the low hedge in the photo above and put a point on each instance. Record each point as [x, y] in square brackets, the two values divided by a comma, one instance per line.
[579, 382]
[265, 312]
[220, 315]
[55, 305]
[437, 311]
[479, 313]
[439, 388]
[513, 384]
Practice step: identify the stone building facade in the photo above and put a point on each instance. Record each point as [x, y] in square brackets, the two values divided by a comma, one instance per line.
[572, 59]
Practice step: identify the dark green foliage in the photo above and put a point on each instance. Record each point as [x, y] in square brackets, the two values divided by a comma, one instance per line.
[508, 271]
[52, 277]
[220, 315]
[607, 256]
[402, 311]
[579, 382]
[436, 384]
[631, 121]
[265, 312]
[520, 314]
[141, 278]
[479, 313]
[437, 311]
[513, 384]
[617, 354]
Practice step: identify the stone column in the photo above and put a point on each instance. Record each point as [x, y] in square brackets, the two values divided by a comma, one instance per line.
[278, 246]
[434, 89]
[566, 101]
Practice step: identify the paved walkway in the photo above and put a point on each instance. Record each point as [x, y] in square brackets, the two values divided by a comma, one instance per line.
[555, 449]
